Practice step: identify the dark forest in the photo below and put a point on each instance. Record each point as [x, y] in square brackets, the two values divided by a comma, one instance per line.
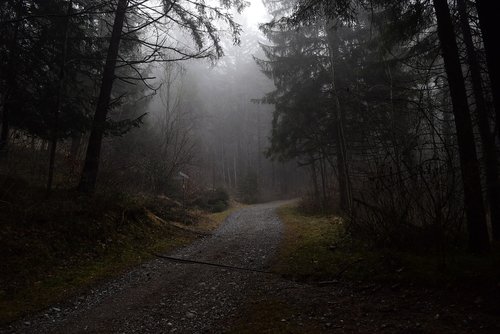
[262, 166]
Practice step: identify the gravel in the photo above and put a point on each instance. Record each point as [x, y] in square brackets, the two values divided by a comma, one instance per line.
[162, 296]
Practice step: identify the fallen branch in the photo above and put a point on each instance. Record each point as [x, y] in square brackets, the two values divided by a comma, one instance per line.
[175, 259]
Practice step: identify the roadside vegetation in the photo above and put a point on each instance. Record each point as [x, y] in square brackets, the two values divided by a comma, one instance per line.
[369, 286]
[53, 247]
[318, 248]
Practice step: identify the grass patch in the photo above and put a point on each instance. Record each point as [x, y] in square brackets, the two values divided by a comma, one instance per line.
[317, 248]
[309, 247]
[64, 281]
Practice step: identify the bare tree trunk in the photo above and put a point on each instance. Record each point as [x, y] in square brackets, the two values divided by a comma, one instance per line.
[89, 174]
[235, 173]
[473, 200]
[44, 146]
[76, 140]
[223, 161]
[315, 179]
[229, 174]
[4, 135]
[57, 111]
[343, 172]
[273, 176]
[323, 182]
[259, 147]
[487, 138]
[11, 86]
[214, 171]
[487, 11]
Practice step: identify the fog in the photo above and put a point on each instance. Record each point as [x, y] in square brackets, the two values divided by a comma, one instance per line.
[273, 98]
[290, 165]
[206, 118]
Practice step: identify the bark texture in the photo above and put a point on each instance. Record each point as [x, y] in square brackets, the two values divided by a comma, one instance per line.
[89, 174]
[488, 15]
[343, 169]
[487, 137]
[469, 165]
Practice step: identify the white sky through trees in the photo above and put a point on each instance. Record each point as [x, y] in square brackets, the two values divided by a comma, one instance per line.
[255, 14]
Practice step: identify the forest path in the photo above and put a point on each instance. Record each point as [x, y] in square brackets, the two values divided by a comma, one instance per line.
[162, 296]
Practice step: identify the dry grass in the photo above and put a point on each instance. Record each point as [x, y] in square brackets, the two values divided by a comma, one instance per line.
[309, 247]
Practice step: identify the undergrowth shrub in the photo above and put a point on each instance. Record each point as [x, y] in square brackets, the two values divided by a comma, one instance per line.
[40, 234]
[420, 211]
[309, 204]
[215, 200]
[248, 189]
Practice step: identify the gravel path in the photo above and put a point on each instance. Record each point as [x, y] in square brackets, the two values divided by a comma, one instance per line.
[161, 296]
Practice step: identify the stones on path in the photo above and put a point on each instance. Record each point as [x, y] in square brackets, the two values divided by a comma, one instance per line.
[155, 296]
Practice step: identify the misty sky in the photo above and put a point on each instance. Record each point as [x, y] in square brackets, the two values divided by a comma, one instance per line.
[255, 14]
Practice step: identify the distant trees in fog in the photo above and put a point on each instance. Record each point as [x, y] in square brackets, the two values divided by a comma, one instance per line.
[105, 88]
[63, 61]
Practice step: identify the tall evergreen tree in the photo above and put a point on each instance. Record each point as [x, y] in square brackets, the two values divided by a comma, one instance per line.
[481, 109]
[473, 198]
[488, 24]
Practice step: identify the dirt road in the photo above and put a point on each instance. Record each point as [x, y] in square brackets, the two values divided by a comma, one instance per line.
[163, 296]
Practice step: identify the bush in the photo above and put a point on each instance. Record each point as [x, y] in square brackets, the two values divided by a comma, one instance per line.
[219, 206]
[216, 200]
[248, 189]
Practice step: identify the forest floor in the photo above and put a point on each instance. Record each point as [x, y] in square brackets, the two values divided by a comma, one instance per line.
[54, 247]
[299, 294]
